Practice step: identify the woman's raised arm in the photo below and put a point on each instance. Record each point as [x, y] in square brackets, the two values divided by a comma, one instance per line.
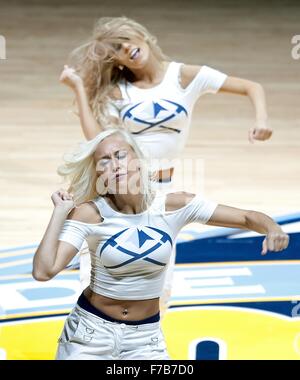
[89, 124]
[53, 255]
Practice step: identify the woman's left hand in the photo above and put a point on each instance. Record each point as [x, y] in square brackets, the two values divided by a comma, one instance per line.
[70, 78]
[260, 132]
[275, 241]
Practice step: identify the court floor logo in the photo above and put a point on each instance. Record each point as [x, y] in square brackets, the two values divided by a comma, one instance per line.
[296, 309]
[296, 314]
[2, 47]
[296, 49]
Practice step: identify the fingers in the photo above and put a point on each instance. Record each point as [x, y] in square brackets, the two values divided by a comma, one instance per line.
[69, 77]
[264, 247]
[261, 134]
[64, 195]
[275, 242]
[284, 242]
[68, 68]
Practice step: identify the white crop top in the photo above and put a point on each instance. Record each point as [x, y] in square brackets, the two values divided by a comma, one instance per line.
[130, 252]
[160, 116]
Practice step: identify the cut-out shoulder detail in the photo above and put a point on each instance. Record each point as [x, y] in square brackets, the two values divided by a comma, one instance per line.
[187, 74]
[175, 201]
[86, 213]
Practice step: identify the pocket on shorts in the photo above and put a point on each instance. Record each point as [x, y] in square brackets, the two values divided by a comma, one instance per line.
[70, 327]
[77, 329]
[157, 340]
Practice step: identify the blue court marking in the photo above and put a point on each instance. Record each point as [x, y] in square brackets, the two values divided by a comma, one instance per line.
[57, 308]
[35, 317]
[8, 259]
[17, 269]
[287, 308]
[74, 275]
[18, 248]
[222, 249]
[277, 280]
[49, 293]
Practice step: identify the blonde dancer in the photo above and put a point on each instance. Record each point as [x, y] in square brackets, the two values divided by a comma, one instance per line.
[122, 74]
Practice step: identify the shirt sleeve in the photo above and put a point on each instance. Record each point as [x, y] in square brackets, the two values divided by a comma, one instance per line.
[208, 80]
[74, 232]
[198, 210]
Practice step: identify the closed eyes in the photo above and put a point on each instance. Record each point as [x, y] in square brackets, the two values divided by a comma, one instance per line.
[103, 162]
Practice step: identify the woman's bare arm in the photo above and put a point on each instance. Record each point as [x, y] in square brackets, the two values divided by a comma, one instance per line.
[53, 255]
[239, 86]
[89, 124]
[276, 240]
[256, 94]
[226, 216]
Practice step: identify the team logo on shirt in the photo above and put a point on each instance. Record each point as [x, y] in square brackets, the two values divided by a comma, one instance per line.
[137, 243]
[155, 114]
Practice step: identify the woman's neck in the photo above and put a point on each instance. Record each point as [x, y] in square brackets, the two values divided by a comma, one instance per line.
[128, 203]
[151, 73]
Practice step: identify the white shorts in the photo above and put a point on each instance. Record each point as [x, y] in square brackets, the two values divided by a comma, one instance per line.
[89, 337]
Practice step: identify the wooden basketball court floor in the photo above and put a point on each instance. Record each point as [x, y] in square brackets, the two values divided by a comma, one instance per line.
[244, 39]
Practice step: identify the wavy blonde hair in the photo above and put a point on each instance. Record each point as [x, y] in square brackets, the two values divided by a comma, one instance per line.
[79, 168]
[94, 61]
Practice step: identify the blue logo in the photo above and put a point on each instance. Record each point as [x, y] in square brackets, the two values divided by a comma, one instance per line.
[138, 244]
[155, 114]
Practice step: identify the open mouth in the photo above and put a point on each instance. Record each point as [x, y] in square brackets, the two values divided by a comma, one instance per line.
[134, 53]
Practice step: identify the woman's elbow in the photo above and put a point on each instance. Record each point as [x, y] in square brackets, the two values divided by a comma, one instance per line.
[254, 87]
[41, 276]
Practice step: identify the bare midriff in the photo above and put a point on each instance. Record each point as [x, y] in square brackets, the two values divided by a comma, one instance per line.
[123, 309]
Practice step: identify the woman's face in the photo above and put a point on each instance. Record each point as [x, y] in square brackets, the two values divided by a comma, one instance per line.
[132, 53]
[117, 166]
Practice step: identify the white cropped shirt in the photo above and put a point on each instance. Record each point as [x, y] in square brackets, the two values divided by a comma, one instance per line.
[130, 252]
[160, 116]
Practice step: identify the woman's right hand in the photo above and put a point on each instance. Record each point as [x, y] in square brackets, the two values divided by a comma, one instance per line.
[63, 200]
[70, 78]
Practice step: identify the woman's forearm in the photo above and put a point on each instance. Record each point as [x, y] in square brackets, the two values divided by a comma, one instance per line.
[45, 255]
[261, 223]
[257, 97]
[276, 239]
[89, 125]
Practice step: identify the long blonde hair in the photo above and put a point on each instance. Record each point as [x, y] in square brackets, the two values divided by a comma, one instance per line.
[94, 60]
[79, 168]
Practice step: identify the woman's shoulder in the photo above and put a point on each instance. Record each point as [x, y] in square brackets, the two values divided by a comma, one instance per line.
[178, 200]
[188, 73]
[86, 212]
